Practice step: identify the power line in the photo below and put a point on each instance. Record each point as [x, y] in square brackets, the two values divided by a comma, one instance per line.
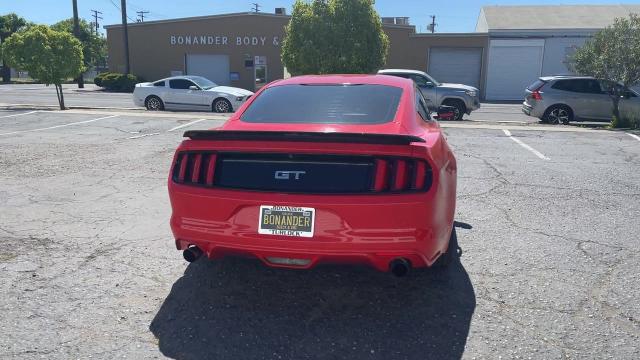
[125, 11]
[96, 16]
[141, 15]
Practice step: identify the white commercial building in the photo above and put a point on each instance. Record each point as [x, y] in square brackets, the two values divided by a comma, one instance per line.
[526, 42]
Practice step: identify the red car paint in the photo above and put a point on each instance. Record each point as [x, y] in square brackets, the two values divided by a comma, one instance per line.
[370, 228]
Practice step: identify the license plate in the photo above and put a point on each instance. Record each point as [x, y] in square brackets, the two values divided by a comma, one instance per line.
[286, 221]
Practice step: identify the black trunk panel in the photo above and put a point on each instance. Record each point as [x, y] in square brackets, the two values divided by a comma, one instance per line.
[295, 173]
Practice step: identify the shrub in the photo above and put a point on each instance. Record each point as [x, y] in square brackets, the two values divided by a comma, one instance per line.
[117, 81]
[629, 120]
[98, 79]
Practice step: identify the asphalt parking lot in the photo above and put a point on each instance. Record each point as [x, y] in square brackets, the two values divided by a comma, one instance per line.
[38, 95]
[549, 268]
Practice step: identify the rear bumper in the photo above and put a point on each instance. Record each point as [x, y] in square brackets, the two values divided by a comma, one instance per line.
[364, 229]
[530, 110]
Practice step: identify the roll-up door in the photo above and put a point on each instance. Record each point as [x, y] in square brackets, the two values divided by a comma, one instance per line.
[456, 65]
[212, 67]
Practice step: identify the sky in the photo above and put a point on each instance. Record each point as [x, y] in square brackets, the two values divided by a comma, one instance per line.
[451, 15]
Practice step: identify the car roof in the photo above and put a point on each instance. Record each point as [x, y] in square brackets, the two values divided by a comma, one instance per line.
[565, 77]
[405, 71]
[188, 77]
[346, 79]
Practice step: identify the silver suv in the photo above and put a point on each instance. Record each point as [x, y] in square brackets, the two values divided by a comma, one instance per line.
[463, 98]
[561, 99]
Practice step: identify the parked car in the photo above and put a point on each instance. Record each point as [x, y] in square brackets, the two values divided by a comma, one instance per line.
[463, 98]
[189, 93]
[562, 99]
[312, 169]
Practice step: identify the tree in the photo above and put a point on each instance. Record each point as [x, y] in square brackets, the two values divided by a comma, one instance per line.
[334, 36]
[49, 56]
[9, 24]
[613, 55]
[94, 46]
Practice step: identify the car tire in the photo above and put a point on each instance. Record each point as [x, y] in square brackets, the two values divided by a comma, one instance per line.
[221, 106]
[153, 103]
[558, 114]
[460, 108]
[452, 254]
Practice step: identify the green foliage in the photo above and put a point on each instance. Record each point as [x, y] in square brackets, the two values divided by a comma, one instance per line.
[117, 81]
[617, 122]
[629, 120]
[94, 46]
[334, 36]
[49, 56]
[9, 24]
[612, 54]
[98, 79]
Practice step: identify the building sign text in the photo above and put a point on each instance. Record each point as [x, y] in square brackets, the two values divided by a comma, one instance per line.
[224, 40]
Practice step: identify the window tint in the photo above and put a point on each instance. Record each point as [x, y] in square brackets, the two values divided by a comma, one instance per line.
[607, 86]
[325, 104]
[421, 108]
[585, 86]
[180, 84]
[158, 83]
[536, 85]
[420, 80]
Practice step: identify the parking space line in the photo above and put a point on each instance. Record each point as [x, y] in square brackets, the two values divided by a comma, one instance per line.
[14, 115]
[519, 142]
[185, 125]
[59, 126]
[143, 135]
[634, 136]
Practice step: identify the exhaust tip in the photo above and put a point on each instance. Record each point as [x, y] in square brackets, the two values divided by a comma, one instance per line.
[192, 253]
[399, 267]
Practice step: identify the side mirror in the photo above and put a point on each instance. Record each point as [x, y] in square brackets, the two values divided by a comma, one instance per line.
[446, 113]
[193, 87]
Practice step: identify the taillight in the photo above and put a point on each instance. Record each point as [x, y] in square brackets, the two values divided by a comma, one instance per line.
[195, 168]
[536, 95]
[387, 175]
[401, 175]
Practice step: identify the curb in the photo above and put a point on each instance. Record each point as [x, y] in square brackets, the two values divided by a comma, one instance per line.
[56, 107]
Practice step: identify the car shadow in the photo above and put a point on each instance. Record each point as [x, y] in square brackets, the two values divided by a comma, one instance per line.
[240, 309]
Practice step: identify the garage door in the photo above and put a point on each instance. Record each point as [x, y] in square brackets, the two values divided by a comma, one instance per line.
[456, 65]
[512, 66]
[213, 67]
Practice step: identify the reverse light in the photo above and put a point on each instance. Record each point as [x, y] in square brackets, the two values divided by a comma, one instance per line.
[288, 261]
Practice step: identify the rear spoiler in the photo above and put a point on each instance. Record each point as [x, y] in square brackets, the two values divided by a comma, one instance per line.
[331, 137]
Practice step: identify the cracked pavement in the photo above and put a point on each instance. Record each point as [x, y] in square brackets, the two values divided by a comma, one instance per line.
[550, 268]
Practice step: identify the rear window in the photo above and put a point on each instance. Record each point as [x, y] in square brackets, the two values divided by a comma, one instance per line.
[536, 85]
[325, 104]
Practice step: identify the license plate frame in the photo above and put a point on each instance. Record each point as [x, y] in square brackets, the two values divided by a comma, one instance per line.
[293, 221]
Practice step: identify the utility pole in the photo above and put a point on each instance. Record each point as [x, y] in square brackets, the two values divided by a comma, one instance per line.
[96, 16]
[141, 15]
[76, 33]
[256, 7]
[125, 35]
[433, 24]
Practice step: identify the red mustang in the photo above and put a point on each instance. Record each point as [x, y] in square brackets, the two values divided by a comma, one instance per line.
[339, 168]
